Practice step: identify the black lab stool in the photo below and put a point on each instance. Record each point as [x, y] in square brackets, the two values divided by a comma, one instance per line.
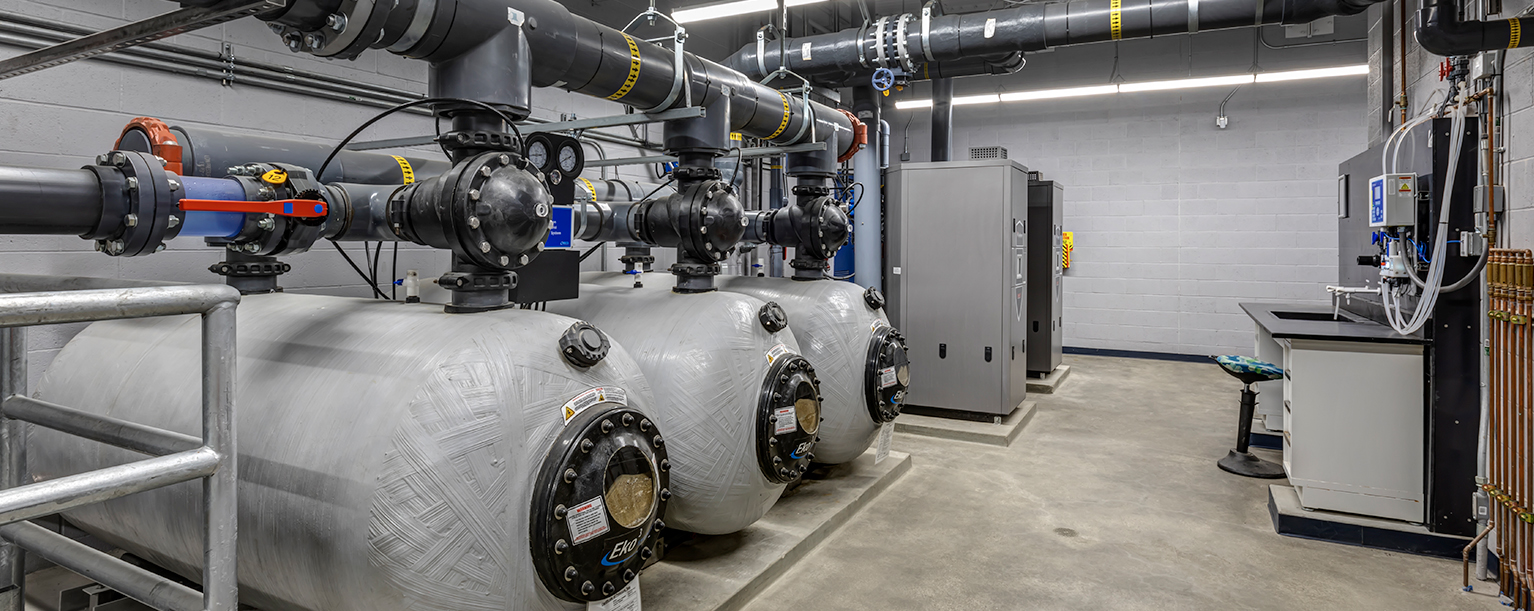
[1250, 371]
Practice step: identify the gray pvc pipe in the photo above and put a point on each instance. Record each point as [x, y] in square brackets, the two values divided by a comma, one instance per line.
[53, 202]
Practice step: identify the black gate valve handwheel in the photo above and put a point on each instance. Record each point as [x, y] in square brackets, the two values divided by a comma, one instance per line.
[584, 345]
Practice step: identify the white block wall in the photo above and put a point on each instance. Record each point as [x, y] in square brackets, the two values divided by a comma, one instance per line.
[1175, 221]
[64, 116]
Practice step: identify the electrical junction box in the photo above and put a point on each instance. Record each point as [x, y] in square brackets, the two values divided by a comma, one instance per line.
[1393, 200]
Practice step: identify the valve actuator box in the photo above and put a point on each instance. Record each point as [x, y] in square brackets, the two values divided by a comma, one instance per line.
[1393, 200]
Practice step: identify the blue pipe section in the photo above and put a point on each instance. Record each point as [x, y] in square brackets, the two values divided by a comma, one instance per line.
[212, 224]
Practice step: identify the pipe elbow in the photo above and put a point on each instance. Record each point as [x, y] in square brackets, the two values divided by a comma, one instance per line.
[1442, 34]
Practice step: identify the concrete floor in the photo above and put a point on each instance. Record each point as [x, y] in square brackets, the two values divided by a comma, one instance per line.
[1109, 500]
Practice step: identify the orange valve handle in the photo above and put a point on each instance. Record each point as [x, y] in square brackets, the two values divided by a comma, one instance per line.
[305, 208]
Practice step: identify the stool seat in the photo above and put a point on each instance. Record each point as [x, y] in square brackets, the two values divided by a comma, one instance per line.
[1248, 369]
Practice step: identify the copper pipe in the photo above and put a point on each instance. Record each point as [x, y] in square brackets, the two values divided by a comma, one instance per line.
[1465, 554]
[1491, 171]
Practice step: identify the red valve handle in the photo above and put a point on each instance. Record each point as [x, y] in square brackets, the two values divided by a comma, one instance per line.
[306, 208]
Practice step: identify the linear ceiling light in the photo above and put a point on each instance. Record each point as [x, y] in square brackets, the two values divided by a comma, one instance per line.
[1188, 83]
[1046, 94]
[1294, 75]
[728, 9]
[988, 98]
[1214, 81]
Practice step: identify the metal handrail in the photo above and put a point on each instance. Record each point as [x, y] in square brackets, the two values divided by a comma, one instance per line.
[176, 457]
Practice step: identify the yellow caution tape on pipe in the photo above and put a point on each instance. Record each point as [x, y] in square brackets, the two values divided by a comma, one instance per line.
[405, 169]
[1515, 32]
[633, 77]
[784, 124]
[1116, 19]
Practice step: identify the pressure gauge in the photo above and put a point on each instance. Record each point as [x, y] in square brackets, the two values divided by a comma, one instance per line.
[569, 158]
[538, 154]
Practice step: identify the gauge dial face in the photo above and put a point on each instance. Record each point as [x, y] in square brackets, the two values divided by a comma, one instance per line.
[538, 154]
[568, 158]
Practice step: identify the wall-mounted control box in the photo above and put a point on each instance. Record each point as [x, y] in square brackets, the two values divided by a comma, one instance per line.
[1393, 200]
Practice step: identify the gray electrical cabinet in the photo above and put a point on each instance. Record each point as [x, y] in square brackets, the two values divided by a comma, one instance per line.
[957, 280]
[1046, 296]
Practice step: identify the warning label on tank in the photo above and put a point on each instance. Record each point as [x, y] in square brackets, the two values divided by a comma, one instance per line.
[626, 599]
[882, 449]
[777, 352]
[886, 377]
[587, 520]
[600, 394]
[786, 422]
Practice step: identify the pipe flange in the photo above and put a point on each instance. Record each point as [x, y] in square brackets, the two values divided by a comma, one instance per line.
[811, 190]
[144, 204]
[874, 298]
[788, 418]
[694, 172]
[598, 498]
[583, 345]
[772, 316]
[887, 375]
[250, 269]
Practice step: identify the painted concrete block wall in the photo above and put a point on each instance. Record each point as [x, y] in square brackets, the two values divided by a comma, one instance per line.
[64, 116]
[1176, 221]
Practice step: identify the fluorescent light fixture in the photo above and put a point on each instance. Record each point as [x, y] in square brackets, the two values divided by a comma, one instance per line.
[1213, 81]
[1046, 94]
[961, 100]
[1294, 75]
[728, 9]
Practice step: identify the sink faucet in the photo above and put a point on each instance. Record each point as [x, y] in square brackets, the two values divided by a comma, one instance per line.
[1341, 293]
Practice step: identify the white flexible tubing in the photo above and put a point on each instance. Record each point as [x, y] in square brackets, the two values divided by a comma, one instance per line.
[1434, 281]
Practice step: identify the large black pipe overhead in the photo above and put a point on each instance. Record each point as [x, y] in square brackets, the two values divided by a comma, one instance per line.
[1442, 32]
[942, 119]
[475, 47]
[922, 45]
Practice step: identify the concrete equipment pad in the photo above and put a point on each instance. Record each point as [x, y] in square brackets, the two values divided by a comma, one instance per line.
[1048, 384]
[1290, 519]
[966, 430]
[724, 572]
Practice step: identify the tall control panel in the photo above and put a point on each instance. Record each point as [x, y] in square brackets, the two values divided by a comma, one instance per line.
[957, 279]
[1046, 295]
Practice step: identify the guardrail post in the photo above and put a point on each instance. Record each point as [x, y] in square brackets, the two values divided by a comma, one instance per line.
[220, 583]
[13, 461]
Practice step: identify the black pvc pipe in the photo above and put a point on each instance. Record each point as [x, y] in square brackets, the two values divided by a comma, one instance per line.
[942, 119]
[1442, 32]
[48, 202]
[852, 54]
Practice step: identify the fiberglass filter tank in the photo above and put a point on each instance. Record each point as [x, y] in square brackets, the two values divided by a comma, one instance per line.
[392, 457]
[859, 357]
[740, 407]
